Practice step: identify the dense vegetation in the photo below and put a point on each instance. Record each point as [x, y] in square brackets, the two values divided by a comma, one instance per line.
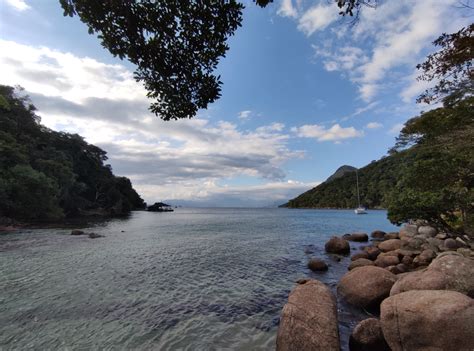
[47, 175]
[376, 180]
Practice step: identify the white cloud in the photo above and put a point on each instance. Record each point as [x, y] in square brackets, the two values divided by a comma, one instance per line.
[318, 18]
[244, 114]
[103, 103]
[287, 9]
[19, 5]
[396, 128]
[374, 125]
[386, 42]
[335, 133]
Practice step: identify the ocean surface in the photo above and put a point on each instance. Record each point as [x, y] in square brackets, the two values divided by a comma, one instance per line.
[193, 279]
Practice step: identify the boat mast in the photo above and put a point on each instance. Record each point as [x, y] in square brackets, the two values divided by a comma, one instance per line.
[358, 195]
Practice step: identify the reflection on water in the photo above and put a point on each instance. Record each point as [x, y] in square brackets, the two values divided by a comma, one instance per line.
[192, 279]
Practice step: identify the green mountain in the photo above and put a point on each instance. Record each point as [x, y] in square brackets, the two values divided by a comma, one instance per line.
[340, 191]
[48, 175]
[341, 171]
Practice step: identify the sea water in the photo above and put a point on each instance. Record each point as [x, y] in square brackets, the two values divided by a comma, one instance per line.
[193, 279]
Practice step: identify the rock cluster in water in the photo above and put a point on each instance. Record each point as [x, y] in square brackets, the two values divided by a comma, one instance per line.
[418, 281]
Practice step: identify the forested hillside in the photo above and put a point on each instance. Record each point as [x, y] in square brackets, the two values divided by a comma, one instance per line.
[46, 175]
[376, 180]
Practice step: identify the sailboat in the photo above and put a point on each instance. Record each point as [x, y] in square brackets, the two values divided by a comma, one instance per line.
[360, 209]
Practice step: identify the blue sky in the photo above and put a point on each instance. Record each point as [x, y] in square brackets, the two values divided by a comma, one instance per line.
[305, 92]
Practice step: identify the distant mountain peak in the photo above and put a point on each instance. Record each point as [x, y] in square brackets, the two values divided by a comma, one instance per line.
[341, 171]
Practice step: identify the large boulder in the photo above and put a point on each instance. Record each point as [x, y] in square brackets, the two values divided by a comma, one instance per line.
[361, 262]
[359, 237]
[368, 336]
[390, 245]
[337, 245]
[428, 320]
[317, 265]
[446, 272]
[309, 319]
[366, 286]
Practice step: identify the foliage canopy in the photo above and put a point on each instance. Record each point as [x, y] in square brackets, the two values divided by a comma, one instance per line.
[175, 45]
[48, 175]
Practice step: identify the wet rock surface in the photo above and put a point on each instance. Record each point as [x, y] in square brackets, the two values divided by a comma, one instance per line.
[309, 319]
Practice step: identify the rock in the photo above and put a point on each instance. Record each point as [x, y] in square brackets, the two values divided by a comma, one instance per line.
[377, 234]
[428, 320]
[368, 336]
[465, 252]
[337, 245]
[372, 251]
[446, 272]
[409, 230]
[441, 236]
[427, 230]
[359, 237]
[385, 261]
[317, 265]
[412, 243]
[391, 236]
[302, 281]
[462, 242]
[362, 254]
[451, 244]
[366, 286]
[360, 263]
[402, 268]
[77, 232]
[95, 236]
[309, 319]
[390, 245]
[407, 260]
[424, 258]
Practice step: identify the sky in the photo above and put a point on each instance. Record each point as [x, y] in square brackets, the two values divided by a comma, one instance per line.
[305, 91]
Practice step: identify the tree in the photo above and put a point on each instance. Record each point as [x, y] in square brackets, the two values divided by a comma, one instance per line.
[452, 67]
[175, 45]
[438, 185]
[46, 174]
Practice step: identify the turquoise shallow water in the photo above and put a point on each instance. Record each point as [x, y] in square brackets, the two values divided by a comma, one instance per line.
[194, 279]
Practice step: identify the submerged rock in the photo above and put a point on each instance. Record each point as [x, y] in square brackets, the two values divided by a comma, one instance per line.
[428, 320]
[358, 237]
[77, 232]
[368, 336]
[317, 265]
[95, 236]
[337, 245]
[366, 286]
[309, 319]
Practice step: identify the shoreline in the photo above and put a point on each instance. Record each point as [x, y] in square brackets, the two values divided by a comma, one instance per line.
[403, 269]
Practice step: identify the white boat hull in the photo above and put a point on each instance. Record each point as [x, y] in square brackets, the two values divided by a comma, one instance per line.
[360, 211]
